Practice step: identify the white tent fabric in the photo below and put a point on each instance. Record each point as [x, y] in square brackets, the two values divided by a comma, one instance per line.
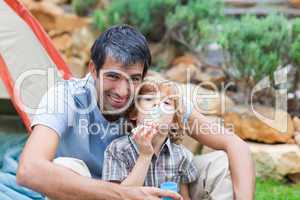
[26, 59]
[3, 93]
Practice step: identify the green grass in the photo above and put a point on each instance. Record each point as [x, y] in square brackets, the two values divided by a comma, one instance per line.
[274, 190]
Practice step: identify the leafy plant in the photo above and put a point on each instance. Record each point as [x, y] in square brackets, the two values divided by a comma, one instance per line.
[295, 28]
[147, 15]
[257, 46]
[82, 7]
[295, 51]
[194, 24]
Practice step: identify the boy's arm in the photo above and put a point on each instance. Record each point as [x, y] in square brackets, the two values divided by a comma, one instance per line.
[139, 172]
[184, 191]
[116, 167]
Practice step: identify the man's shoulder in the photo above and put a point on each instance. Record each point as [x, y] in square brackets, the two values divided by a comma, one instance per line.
[77, 86]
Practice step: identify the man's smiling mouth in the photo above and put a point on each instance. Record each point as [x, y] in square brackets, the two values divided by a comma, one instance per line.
[117, 102]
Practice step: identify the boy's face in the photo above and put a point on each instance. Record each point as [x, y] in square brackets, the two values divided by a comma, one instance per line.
[156, 107]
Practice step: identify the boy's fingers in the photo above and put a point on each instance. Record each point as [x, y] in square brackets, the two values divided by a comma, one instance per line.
[152, 134]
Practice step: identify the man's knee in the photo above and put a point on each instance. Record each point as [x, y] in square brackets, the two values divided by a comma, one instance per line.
[215, 161]
[76, 165]
[214, 181]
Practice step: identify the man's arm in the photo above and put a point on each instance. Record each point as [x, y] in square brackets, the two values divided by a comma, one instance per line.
[240, 160]
[37, 172]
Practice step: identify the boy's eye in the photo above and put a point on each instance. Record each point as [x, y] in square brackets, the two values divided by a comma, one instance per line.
[167, 102]
[148, 98]
[136, 79]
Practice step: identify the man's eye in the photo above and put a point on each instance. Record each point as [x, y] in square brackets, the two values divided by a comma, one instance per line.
[113, 76]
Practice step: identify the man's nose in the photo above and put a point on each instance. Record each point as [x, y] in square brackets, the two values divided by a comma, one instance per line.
[123, 89]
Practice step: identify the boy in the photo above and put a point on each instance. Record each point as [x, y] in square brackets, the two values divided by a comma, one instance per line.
[149, 156]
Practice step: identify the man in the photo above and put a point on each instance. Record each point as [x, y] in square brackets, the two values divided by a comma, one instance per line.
[92, 117]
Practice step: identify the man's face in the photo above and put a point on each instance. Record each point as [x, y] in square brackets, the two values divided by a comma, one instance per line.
[116, 84]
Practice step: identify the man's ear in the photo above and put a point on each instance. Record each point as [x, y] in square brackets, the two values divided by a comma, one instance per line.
[92, 69]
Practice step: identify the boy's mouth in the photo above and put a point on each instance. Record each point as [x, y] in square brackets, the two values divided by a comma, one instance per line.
[155, 114]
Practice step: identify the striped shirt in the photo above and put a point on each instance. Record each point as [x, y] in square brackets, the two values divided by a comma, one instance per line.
[173, 163]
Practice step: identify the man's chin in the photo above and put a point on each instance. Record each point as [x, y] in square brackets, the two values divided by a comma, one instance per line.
[111, 110]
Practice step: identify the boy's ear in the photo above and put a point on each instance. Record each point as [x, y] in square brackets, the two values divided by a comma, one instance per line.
[92, 69]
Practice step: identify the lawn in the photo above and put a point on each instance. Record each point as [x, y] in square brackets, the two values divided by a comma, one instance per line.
[274, 190]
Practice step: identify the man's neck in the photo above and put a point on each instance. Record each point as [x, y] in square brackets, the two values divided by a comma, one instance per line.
[157, 142]
[111, 118]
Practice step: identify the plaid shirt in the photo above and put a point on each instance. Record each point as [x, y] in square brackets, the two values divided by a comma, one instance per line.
[173, 163]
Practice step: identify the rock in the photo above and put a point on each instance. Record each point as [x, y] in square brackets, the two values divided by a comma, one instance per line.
[83, 40]
[297, 138]
[275, 161]
[212, 75]
[207, 102]
[70, 22]
[183, 73]
[154, 76]
[162, 54]
[296, 122]
[295, 178]
[45, 12]
[78, 67]
[189, 69]
[58, 2]
[249, 127]
[62, 42]
[187, 59]
[294, 3]
[52, 17]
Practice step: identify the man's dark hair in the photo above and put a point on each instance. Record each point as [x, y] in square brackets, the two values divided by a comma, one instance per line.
[123, 43]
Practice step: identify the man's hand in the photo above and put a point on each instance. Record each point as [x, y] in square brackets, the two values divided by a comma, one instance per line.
[148, 193]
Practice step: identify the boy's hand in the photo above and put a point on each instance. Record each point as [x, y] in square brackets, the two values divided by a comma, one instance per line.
[143, 137]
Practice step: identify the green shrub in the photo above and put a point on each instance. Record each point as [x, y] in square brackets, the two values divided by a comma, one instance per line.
[147, 15]
[257, 46]
[196, 22]
[82, 7]
[295, 27]
[295, 51]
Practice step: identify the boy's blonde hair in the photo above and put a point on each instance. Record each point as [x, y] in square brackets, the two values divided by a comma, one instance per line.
[167, 89]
